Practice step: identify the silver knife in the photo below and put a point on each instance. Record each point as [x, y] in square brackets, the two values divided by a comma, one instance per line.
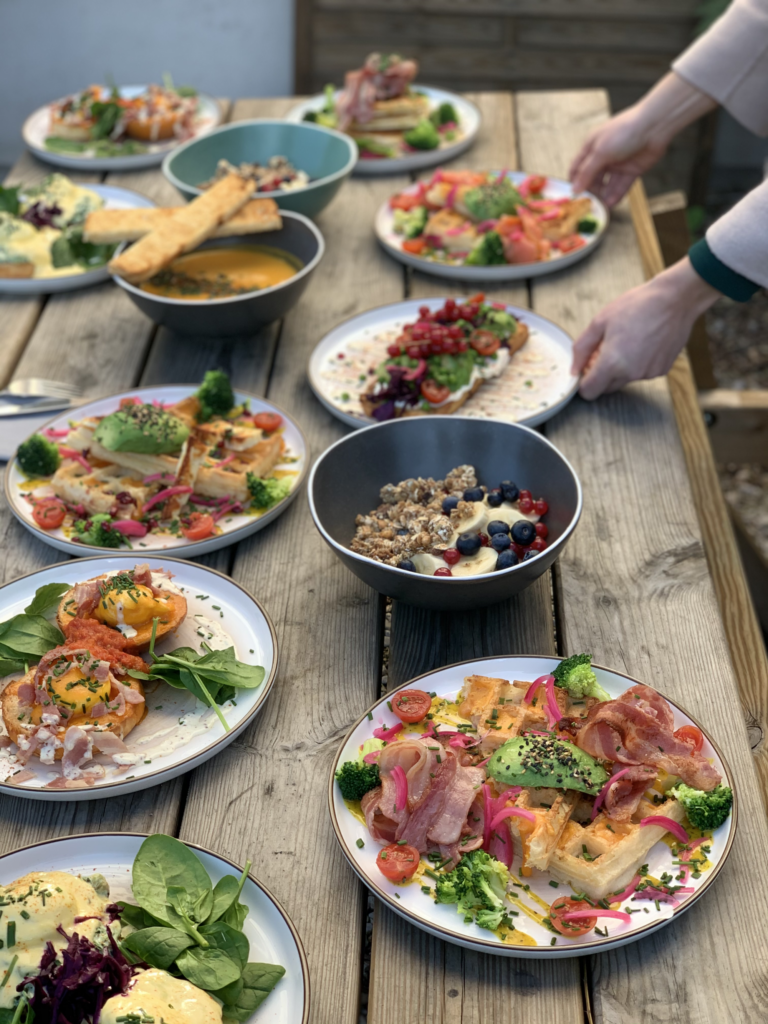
[34, 409]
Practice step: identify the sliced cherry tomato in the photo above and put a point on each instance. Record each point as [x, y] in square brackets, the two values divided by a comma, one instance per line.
[126, 403]
[573, 929]
[267, 421]
[476, 299]
[434, 392]
[398, 863]
[49, 513]
[570, 242]
[201, 525]
[411, 705]
[405, 201]
[484, 342]
[415, 245]
[534, 184]
[691, 735]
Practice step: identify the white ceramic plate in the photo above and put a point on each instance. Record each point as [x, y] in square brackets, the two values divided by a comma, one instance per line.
[469, 117]
[234, 527]
[537, 384]
[208, 593]
[556, 189]
[114, 199]
[442, 920]
[272, 936]
[36, 129]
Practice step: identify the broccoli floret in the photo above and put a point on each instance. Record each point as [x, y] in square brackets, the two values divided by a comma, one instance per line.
[375, 148]
[410, 223]
[705, 810]
[587, 226]
[488, 251]
[444, 114]
[492, 200]
[356, 779]
[478, 887]
[38, 456]
[98, 532]
[266, 492]
[423, 136]
[215, 395]
[575, 675]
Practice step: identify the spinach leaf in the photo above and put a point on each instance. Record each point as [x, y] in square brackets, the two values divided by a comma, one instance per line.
[8, 665]
[26, 637]
[209, 969]
[135, 916]
[163, 861]
[158, 946]
[70, 248]
[195, 904]
[46, 598]
[106, 116]
[9, 200]
[243, 998]
[226, 892]
[235, 916]
[220, 936]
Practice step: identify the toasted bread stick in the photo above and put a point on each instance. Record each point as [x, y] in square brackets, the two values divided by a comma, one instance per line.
[107, 227]
[17, 269]
[183, 232]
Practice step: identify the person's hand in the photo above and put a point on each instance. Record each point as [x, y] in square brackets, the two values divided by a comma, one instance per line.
[640, 334]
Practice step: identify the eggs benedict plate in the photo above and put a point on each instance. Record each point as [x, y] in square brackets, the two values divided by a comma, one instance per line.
[76, 883]
[111, 705]
[158, 468]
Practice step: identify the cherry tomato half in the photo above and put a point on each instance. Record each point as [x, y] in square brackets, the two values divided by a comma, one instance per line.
[691, 735]
[535, 184]
[573, 929]
[411, 705]
[484, 342]
[570, 242]
[200, 526]
[267, 421]
[405, 201]
[415, 245]
[49, 513]
[398, 863]
[434, 392]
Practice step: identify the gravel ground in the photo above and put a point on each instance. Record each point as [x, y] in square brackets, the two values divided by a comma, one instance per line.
[738, 333]
[746, 491]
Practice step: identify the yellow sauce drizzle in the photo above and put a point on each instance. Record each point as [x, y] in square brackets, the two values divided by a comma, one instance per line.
[354, 808]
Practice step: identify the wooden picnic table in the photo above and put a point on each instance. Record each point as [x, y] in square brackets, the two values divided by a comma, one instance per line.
[641, 585]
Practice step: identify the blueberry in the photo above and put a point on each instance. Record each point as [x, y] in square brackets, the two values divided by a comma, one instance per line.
[500, 541]
[530, 554]
[406, 564]
[496, 526]
[509, 491]
[507, 559]
[474, 494]
[468, 543]
[402, 533]
[523, 532]
[495, 498]
[449, 504]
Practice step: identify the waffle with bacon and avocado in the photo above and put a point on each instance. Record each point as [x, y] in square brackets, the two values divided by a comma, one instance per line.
[442, 358]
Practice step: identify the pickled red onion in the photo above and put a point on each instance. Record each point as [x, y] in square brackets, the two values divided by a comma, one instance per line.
[224, 462]
[669, 824]
[401, 787]
[554, 714]
[629, 891]
[70, 453]
[531, 691]
[51, 434]
[167, 493]
[512, 812]
[604, 792]
[580, 915]
[387, 734]
[129, 528]
[158, 476]
[373, 757]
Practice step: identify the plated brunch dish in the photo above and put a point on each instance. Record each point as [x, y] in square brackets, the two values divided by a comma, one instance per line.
[531, 806]
[278, 174]
[452, 527]
[490, 225]
[114, 927]
[398, 125]
[182, 468]
[118, 674]
[42, 241]
[119, 128]
[485, 359]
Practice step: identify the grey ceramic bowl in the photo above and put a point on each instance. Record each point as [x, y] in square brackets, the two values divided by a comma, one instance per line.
[328, 157]
[240, 314]
[347, 478]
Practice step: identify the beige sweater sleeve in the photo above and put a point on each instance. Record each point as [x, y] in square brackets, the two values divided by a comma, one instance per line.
[740, 237]
[730, 63]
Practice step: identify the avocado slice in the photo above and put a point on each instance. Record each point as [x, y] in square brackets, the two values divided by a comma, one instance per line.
[545, 761]
[143, 429]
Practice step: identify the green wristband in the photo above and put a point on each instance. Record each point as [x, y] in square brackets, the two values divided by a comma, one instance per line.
[719, 275]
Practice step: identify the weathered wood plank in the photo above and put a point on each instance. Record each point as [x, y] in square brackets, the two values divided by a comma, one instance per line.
[635, 590]
[738, 424]
[600, 9]
[264, 797]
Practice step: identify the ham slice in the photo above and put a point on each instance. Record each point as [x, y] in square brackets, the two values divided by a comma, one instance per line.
[26, 693]
[449, 823]
[109, 743]
[130, 695]
[370, 83]
[382, 827]
[623, 796]
[77, 749]
[429, 807]
[87, 596]
[636, 729]
[416, 760]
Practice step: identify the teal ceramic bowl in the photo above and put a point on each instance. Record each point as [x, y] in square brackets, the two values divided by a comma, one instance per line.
[327, 156]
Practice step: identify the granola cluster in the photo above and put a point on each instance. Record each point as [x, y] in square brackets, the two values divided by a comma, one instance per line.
[410, 518]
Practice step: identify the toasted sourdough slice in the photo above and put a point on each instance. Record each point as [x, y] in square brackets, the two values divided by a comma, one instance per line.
[184, 231]
[397, 114]
[19, 717]
[617, 852]
[177, 612]
[107, 227]
[573, 212]
[16, 269]
[552, 809]
[369, 402]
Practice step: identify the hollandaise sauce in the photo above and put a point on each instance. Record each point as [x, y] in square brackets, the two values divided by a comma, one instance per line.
[220, 273]
[156, 996]
[33, 907]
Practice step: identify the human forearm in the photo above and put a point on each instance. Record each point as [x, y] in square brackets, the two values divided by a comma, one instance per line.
[671, 105]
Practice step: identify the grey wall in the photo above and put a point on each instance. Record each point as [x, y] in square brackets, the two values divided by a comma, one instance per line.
[49, 48]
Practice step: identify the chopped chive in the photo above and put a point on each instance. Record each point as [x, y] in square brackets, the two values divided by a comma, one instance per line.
[359, 843]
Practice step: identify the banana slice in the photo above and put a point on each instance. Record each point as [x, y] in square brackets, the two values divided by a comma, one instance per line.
[507, 513]
[476, 521]
[426, 563]
[483, 561]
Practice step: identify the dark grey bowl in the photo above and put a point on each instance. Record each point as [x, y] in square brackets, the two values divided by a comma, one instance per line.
[347, 478]
[241, 314]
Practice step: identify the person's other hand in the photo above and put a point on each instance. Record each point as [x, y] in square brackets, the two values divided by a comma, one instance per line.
[640, 334]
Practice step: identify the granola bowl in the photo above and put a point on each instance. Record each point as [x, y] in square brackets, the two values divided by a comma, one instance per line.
[347, 479]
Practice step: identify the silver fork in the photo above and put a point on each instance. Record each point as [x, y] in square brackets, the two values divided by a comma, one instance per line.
[37, 388]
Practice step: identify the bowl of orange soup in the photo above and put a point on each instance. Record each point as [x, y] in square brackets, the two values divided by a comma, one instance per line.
[233, 285]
